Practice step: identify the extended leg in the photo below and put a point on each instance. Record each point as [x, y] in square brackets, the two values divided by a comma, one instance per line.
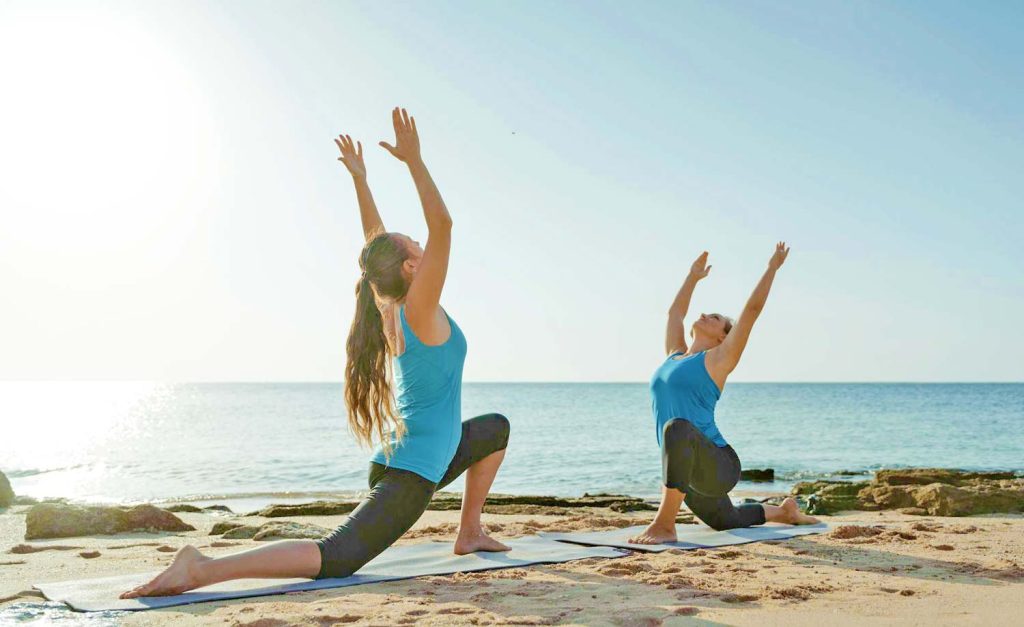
[480, 454]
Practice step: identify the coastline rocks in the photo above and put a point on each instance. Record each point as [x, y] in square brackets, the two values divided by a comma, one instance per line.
[6, 492]
[316, 508]
[919, 491]
[221, 528]
[277, 530]
[514, 504]
[193, 509]
[758, 474]
[61, 520]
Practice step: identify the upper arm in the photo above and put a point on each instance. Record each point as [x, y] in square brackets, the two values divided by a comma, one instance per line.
[675, 334]
[422, 301]
[727, 355]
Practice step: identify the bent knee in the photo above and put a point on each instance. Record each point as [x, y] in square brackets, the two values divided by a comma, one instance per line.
[499, 428]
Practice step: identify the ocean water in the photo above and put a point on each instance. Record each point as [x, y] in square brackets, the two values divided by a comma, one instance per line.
[132, 442]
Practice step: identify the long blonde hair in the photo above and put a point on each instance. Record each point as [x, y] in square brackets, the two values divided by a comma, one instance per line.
[368, 395]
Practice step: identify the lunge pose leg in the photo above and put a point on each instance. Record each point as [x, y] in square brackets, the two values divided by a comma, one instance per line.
[399, 326]
[698, 465]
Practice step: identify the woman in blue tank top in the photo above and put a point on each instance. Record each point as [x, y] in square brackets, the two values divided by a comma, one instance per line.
[698, 465]
[424, 444]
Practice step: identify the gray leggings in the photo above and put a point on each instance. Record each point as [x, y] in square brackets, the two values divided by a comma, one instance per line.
[398, 498]
[705, 472]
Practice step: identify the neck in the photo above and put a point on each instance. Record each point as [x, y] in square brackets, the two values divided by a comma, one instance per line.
[700, 345]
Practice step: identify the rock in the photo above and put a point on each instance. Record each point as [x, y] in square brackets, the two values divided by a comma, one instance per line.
[316, 508]
[919, 491]
[183, 507]
[24, 500]
[61, 520]
[89, 554]
[6, 492]
[224, 527]
[515, 504]
[218, 508]
[925, 476]
[241, 532]
[277, 530]
[828, 497]
[281, 530]
[758, 474]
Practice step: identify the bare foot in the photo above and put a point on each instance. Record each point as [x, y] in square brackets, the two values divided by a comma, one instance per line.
[792, 515]
[471, 542]
[181, 576]
[656, 534]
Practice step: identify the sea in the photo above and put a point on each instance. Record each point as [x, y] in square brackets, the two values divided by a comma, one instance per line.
[255, 443]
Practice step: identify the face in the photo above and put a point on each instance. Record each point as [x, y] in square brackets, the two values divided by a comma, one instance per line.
[710, 325]
[413, 251]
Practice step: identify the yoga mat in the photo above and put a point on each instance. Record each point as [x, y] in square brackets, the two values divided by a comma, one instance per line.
[690, 536]
[398, 562]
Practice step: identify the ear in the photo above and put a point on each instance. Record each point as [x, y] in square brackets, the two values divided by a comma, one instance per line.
[410, 265]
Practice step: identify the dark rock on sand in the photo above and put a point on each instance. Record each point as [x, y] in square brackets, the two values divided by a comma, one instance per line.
[758, 474]
[277, 530]
[61, 520]
[515, 504]
[184, 507]
[218, 508]
[224, 527]
[6, 492]
[89, 554]
[932, 491]
[316, 508]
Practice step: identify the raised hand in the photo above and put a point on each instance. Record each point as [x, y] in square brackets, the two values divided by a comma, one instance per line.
[700, 269]
[407, 140]
[351, 155]
[781, 252]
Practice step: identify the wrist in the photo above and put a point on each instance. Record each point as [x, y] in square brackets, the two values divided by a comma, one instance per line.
[415, 163]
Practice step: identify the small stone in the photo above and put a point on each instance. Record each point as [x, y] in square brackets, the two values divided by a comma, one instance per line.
[89, 554]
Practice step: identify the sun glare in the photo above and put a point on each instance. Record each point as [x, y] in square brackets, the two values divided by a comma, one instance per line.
[104, 138]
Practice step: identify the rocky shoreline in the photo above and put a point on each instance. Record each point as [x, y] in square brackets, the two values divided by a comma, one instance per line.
[917, 491]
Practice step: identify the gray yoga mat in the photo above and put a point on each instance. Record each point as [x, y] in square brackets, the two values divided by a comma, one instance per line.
[690, 536]
[398, 562]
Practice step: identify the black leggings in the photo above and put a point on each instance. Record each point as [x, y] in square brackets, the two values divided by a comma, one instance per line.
[398, 498]
[705, 472]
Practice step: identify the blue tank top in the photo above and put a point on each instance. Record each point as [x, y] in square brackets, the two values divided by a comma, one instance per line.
[428, 397]
[682, 388]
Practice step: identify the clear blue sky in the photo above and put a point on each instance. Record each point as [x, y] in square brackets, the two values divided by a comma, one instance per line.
[172, 207]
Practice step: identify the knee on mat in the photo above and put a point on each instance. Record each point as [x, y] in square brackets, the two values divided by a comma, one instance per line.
[332, 568]
[677, 430]
[720, 523]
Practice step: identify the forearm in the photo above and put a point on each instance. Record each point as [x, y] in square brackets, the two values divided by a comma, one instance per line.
[368, 214]
[434, 210]
[760, 294]
[681, 304]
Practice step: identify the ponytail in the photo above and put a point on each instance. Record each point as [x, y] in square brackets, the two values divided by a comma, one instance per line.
[368, 396]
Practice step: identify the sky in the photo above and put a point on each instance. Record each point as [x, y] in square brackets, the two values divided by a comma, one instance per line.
[171, 207]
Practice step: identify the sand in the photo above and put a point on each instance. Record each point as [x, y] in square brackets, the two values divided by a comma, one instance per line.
[913, 570]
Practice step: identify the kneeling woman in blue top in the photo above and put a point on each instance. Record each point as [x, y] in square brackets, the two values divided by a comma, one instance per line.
[698, 466]
[424, 443]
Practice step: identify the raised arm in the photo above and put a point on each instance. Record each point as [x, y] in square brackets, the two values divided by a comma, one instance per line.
[352, 157]
[675, 329]
[422, 301]
[724, 357]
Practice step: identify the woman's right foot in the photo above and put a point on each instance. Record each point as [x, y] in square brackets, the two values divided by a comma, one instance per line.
[656, 534]
[181, 576]
[792, 515]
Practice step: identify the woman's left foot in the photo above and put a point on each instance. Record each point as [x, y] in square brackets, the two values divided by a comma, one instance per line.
[477, 541]
[792, 515]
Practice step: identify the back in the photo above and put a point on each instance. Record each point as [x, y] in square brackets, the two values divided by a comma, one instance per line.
[428, 396]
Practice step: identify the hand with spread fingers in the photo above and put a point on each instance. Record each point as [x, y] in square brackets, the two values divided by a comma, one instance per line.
[351, 156]
[407, 139]
[700, 267]
[779, 257]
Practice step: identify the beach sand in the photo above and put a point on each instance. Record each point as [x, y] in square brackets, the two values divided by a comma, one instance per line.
[918, 570]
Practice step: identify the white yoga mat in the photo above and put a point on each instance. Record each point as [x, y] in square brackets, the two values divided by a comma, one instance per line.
[398, 562]
[690, 536]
